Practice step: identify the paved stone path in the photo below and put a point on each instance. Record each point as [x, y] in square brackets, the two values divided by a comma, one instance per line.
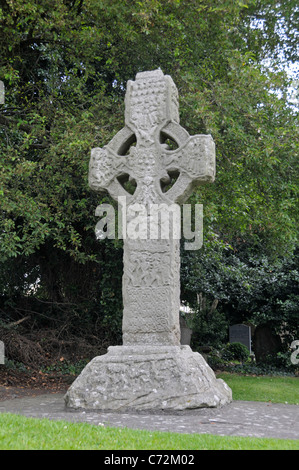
[239, 418]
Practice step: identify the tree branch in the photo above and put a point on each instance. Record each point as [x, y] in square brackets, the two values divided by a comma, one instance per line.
[15, 323]
[12, 122]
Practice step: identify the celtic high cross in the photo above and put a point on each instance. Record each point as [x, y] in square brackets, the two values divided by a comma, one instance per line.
[150, 370]
[138, 165]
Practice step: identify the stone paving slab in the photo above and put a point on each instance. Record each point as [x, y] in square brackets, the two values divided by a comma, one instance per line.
[239, 418]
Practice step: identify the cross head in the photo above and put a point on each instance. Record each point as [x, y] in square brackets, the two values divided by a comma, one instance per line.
[139, 154]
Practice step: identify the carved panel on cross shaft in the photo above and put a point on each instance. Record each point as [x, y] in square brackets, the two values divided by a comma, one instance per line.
[153, 318]
[148, 269]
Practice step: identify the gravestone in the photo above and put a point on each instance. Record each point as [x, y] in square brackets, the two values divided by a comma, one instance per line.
[186, 332]
[265, 343]
[240, 334]
[150, 370]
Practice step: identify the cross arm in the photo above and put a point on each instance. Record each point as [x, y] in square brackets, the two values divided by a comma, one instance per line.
[108, 164]
[195, 162]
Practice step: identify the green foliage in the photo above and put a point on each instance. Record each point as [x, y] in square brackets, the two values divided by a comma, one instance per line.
[67, 368]
[236, 362]
[208, 328]
[65, 65]
[245, 287]
[235, 351]
[13, 365]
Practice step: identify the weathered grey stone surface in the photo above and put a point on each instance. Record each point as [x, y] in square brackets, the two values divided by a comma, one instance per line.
[149, 377]
[150, 370]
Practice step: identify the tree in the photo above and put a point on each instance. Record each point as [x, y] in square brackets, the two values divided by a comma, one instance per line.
[243, 288]
[65, 64]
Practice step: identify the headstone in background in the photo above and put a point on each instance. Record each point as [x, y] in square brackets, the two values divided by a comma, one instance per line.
[186, 332]
[265, 343]
[240, 334]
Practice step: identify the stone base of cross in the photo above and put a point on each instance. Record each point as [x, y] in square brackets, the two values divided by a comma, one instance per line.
[151, 370]
[147, 378]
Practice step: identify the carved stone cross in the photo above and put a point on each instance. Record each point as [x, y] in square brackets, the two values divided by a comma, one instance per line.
[152, 117]
[151, 370]
[151, 284]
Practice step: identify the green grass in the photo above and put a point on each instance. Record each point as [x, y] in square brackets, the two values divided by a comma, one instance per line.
[18, 432]
[264, 388]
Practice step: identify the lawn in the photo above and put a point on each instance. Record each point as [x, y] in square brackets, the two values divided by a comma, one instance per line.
[18, 432]
[263, 388]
